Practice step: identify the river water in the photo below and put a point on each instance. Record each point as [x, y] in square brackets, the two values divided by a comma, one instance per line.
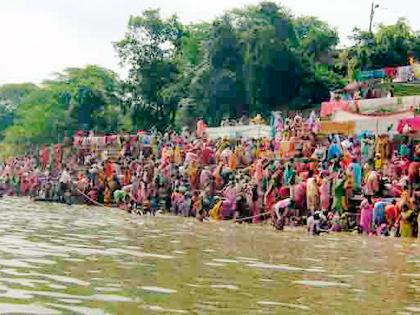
[56, 259]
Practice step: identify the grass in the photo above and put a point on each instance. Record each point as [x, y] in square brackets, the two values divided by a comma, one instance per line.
[407, 89]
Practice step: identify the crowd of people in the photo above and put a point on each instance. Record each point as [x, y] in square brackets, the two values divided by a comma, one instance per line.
[367, 183]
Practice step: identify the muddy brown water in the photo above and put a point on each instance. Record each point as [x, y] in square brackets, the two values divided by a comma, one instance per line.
[56, 259]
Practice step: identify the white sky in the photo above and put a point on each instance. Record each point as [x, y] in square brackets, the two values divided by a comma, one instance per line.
[41, 37]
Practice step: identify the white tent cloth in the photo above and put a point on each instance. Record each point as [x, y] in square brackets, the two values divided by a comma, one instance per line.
[376, 124]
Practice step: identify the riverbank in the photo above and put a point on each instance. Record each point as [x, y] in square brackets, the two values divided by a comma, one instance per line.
[329, 183]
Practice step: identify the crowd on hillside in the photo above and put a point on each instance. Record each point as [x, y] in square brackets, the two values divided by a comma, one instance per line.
[330, 183]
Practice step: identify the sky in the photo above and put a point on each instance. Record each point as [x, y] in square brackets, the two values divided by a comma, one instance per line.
[43, 37]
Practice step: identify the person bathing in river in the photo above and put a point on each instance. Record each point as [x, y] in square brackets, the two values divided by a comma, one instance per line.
[324, 191]
[339, 193]
[120, 197]
[406, 219]
[280, 213]
[315, 223]
[366, 209]
[391, 214]
[93, 194]
[154, 204]
[378, 214]
[312, 194]
[64, 183]
[185, 205]
[169, 162]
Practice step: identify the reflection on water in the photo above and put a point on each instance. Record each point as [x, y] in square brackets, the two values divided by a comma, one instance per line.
[80, 260]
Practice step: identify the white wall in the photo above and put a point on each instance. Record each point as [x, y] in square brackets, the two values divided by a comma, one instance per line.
[235, 132]
[394, 103]
[374, 124]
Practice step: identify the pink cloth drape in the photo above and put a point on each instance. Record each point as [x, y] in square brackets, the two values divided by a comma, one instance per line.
[328, 108]
[414, 124]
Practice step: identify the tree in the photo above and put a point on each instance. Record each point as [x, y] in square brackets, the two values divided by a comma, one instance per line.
[149, 49]
[11, 96]
[37, 120]
[227, 93]
[193, 50]
[198, 99]
[272, 61]
[318, 81]
[77, 99]
[255, 59]
[316, 37]
[258, 59]
[83, 92]
[391, 45]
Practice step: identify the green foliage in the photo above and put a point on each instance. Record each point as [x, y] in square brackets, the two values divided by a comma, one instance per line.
[82, 93]
[316, 37]
[391, 45]
[406, 89]
[258, 59]
[194, 36]
[226, 79]
[77, 99]
[11, 96]
[150, 49]
[36, 120]
[186, 113]
[251, 60]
